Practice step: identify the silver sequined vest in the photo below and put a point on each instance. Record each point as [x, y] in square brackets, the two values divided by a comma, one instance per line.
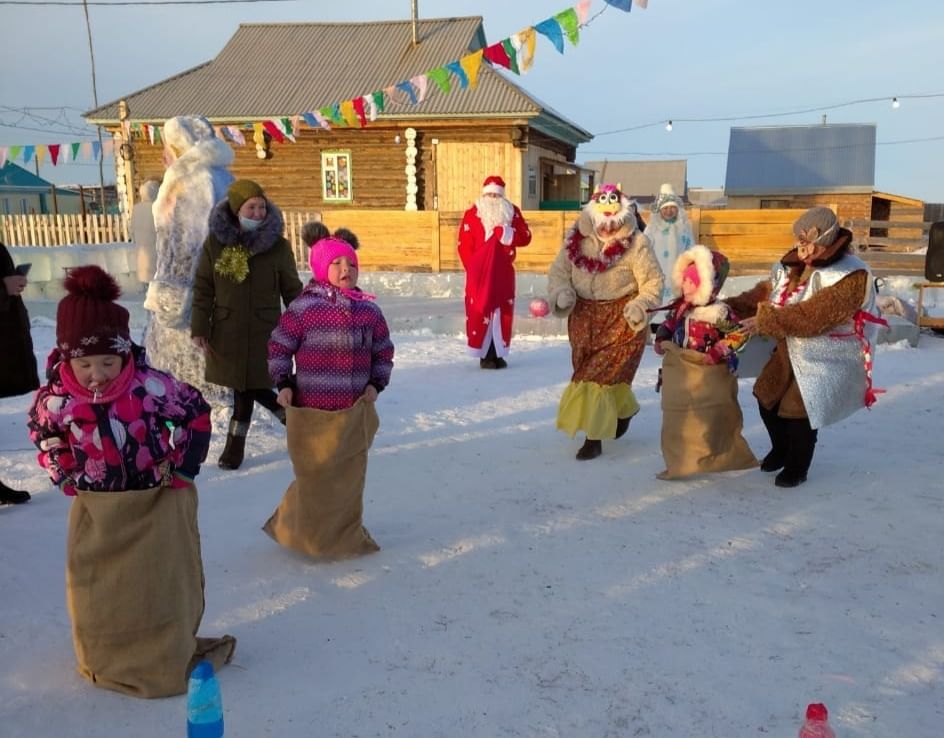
[830, 369]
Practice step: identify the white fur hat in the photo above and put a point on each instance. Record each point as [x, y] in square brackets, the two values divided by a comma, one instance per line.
[185, 131]
[667, 197]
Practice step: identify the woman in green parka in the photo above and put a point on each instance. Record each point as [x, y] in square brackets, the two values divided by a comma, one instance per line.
[245, 273]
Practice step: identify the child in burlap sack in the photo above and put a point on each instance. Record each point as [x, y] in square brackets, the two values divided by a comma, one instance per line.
[337, 339]
[125, 440]
[699, 340]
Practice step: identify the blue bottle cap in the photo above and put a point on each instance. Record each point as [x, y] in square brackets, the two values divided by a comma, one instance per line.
[203, 671]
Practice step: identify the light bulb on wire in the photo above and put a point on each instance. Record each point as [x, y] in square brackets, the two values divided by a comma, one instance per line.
[668, 126]
[895, 103]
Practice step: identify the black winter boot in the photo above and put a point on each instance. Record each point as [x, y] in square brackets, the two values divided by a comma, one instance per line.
[590, 450]
[622, 425]
[235, 448]
[10, 496]
[777, 430]
[490, 360]
[801, 440]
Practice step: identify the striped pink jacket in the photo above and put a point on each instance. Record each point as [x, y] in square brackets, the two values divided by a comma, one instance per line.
[339, 346]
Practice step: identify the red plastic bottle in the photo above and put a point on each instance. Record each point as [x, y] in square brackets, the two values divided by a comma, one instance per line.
[817, 722]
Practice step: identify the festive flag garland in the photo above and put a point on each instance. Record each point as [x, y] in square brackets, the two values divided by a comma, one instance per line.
[515, 53]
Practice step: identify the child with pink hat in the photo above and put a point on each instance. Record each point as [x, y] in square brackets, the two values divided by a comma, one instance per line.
[330, 357]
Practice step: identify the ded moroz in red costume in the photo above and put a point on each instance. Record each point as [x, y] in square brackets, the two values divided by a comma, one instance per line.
[491, 231]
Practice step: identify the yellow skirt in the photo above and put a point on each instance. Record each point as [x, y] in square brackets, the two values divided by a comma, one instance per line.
[594, 408]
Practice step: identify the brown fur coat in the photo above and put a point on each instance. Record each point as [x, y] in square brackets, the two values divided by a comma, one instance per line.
[824, 311]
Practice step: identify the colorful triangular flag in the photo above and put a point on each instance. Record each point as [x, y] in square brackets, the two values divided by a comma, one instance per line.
[421, 84]
[509, 48]
[440, 75]
[40, 153]
[552, 30]
[408, 89]
[347, 112]
[75, 150]
[54, 153]
[273, 130]
[626, 5]
[524, 42]
[570, 24]
[28, 152]
[496, 54]
[471, 63]
[358, 103]
[583, 10]
[378, 100]
[456, 68]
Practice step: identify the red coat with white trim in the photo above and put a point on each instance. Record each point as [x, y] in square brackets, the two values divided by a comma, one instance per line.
[490, 274]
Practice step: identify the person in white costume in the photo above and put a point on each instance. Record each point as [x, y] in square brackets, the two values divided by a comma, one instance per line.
[197, 177]
[670, 234]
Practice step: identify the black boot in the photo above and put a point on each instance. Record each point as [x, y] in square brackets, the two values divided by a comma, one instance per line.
[777, 430]
[13, 496]
[235, 448]
[622, 425]
[590, 450]
[490, 360]
[799, 455]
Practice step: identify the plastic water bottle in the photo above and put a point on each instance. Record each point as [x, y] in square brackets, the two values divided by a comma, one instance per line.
[816, 724]
[204, 703]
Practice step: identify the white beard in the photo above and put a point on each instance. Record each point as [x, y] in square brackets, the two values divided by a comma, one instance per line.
[494, 211]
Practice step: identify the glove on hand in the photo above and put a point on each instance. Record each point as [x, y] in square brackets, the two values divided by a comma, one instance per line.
[566, 299]
[507, 235]
[636, 316]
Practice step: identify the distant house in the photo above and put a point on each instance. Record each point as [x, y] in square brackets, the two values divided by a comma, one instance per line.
[803, 166]
[280, 69]
[22, 192]
[641, 180]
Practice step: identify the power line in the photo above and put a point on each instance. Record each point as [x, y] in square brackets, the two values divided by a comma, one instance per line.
[71, 131]
[732, 118]
[137, 2]
[761, 151]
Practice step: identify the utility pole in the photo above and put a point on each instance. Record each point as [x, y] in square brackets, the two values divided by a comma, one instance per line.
[101, 148]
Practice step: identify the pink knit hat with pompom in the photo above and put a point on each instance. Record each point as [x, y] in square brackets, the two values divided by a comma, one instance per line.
[325, 251]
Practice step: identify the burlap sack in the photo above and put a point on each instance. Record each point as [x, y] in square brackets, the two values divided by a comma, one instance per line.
[321, 512]
[701, 417]
[134, 589]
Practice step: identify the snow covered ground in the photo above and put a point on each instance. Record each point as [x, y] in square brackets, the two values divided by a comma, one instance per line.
[522, 593]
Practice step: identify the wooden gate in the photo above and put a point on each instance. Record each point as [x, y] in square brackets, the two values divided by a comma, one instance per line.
[462, 167]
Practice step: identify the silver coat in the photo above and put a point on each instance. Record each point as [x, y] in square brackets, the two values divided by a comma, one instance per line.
[830, 368]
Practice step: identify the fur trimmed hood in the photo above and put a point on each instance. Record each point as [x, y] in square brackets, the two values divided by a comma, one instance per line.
[224, 226]
[712, 267]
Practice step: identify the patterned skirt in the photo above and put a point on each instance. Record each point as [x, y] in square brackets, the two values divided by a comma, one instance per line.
[605, 353]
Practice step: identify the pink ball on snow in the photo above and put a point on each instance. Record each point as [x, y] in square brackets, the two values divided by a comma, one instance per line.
[539, 307]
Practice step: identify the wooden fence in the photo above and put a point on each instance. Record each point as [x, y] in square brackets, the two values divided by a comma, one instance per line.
[62, 229]
[425, 240]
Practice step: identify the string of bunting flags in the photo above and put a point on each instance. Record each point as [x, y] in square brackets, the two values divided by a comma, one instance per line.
[515, 53]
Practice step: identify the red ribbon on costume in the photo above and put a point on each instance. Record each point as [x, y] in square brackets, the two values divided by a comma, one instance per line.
[859, 320]
[786, 294]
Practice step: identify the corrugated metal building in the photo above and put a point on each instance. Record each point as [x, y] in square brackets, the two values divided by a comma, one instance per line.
[641, 180]
[803, 166]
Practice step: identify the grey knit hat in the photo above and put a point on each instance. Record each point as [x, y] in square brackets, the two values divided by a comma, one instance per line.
[818, 226]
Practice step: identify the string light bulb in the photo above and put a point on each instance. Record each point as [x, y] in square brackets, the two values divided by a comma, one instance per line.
[895, 103]
[668, 126]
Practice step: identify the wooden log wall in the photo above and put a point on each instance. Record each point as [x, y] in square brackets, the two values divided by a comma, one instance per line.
[291, 173]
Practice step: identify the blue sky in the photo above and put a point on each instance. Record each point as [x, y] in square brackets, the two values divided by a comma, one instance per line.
[676, 60]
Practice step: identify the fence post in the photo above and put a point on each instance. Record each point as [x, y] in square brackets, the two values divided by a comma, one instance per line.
[435, 246]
